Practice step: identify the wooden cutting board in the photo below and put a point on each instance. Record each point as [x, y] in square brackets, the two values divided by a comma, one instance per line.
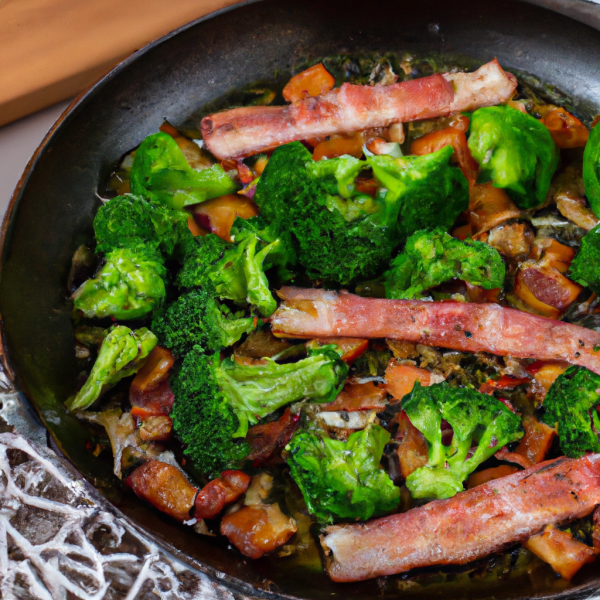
[51, 50]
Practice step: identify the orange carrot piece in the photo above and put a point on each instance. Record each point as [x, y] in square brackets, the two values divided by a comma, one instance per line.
[486, 475]
[400, 379]
[313, 81]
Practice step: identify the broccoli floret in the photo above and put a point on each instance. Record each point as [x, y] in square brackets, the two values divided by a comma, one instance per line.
[570, 406]
[130, 221]
[591, 170]
[431, 258]
[585, 268]
[342, 480]
[476, 420]
[318, 203]
[121, 354]
[196, 319]
[161, 173]
[254, 391]
[515, 151]
[430, 192]
[202, 417]
[129, 286]
[235, 270]
[216, 400]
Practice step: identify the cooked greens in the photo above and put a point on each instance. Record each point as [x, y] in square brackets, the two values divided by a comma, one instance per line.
[514, 151]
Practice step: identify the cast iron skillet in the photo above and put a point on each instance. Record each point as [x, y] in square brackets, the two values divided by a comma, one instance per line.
[52, 210]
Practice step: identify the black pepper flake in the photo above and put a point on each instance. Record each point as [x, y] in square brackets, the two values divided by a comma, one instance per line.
[468, 334]
[457, 327]
[581, 343]
[577, 354]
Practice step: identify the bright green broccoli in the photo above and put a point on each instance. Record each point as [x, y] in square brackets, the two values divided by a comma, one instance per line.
[318, 203]
[216, 400]
[129, 286]
[235, 270]
[476, 420]
[342, 480]
[431, 258]
[130, 221]
[430, 192]
[591, 170]
[585, 268]
[515, 151]
[161, 173]
[254, 391]
[197, 319]
[202, 417]
[570, 406]
[121, 354]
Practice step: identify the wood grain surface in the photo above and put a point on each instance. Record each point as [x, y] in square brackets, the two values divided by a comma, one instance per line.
[53, 49]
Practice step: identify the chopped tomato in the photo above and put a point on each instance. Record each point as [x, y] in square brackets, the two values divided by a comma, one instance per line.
[359, 396]
[486, 475]
[412, 451]
[400, 379]
[257, 529]
[217, 215]
[245, 174]
[506, 382]
[155, 369]
[165, 487]
[449, 136]
[560, 550]
[566, 130]
[537, 441]
[313, 81]
[269, 439]
[366, 186]
[489, 207]
[338, 146]
[350, 348]
[220, 492]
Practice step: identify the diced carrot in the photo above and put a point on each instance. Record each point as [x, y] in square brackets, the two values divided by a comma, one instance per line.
[339, 146]
[486, 475]
[412, 450]
[448, 137]
[400, 379]
[489, 207]
[313, 81]
[155, 369]
[545, 289]
[195, 228]
[566, 130]
[217, 215]
[359, 396]
[552, 253]
[546, 373]
[537, 441]
[560, 550]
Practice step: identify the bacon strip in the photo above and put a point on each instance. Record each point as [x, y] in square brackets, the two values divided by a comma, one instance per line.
[308, 313]
[468, 526]
[244, 131]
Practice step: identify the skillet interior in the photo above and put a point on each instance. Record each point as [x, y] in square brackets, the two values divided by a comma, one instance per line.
[53, 209]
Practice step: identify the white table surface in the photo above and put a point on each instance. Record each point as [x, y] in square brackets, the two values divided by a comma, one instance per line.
[18, 142]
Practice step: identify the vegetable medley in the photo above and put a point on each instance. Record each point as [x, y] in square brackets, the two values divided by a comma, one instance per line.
[463, 355]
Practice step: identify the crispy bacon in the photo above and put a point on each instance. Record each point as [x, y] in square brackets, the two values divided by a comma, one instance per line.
[468, 526]
[165, 487]
[269, 439]
[308, 313]
[244, 131]
[220, 492]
